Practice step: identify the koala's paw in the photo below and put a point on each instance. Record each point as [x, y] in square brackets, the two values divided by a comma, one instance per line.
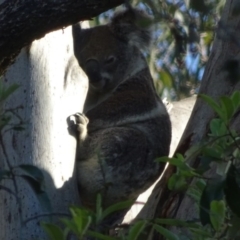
[78, 124]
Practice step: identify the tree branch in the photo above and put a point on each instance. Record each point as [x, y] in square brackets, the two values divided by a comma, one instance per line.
[21, 21]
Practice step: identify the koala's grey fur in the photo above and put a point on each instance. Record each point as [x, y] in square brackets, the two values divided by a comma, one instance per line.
[125, 125]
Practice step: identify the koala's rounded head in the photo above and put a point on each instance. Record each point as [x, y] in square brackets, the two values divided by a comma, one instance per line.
[111, 53]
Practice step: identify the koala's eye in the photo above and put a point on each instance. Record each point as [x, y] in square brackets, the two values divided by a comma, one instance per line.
[110, 60]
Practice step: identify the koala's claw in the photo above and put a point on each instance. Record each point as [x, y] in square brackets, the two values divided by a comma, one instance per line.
[77, 124]
[80, 118]
[71, 120]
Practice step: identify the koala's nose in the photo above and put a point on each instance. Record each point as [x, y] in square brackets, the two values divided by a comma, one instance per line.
[92, 69]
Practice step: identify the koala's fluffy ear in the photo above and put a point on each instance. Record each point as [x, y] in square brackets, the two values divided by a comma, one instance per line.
[134, 26]
[80, 38]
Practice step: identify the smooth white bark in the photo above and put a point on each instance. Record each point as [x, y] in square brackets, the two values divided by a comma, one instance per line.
[50, 92]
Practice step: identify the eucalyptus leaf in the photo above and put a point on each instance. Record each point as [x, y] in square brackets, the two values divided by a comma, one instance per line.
[236, 100]
[136, 229]
[166, 233]
[227, 106]
[6, 92]
[214, 105]
[53, 231]
[212, 191]
[99, 236]
[116, 207]
[217, 214]
[177, 182]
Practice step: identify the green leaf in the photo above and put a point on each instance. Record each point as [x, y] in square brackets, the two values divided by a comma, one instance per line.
[163, 159]
[212, 191]
[196, 190]
[212, 153]
[217, 214]
[136, 229]
[228, 107]
[201, 233]
[218, 127]
[222, 168]
[177, 182]
[70, 225]
[200, 184]
[99, 235]
[82, 218]
[232, 191]
[5, 93]
[166, 233]
[99, 208]
[193, 152]
[177, 161]
[180, 165]
[194, 193]
[208, 37]
[214, 105]
[116, 207]
[166, 78]
[236, 100]
[236, 153]
[53, 231]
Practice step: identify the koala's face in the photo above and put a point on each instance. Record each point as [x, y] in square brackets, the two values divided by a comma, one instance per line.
[104, 58]
[110, 54]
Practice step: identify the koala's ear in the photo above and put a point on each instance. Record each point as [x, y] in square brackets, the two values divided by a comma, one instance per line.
[80, 38]
[132, 25]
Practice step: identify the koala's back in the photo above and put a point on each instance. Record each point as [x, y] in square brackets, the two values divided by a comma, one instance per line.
[129, 126]
[126, 133]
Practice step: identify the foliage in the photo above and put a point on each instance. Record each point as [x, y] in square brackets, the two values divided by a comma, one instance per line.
[217, 197]
[183, 34]
[85, 223]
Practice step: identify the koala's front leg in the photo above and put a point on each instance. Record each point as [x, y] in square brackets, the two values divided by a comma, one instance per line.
[78, 124]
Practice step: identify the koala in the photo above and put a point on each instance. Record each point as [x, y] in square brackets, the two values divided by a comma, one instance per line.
[124, 126]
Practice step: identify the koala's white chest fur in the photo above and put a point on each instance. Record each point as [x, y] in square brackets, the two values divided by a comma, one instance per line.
[128, 124]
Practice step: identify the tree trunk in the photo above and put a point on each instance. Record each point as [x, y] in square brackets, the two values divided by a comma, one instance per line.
[52, 87]
[216, 82]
